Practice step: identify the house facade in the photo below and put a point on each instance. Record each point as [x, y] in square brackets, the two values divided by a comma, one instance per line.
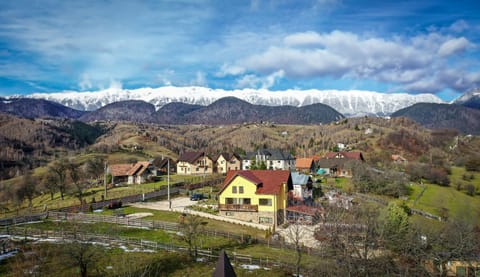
[259, 196]
[194, 163]
[336, 163]
[302, 186]
[134, 173]
[273, 159]
[226, 162]
[140, 173]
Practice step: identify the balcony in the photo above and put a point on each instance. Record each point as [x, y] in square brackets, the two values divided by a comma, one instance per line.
[238, 207]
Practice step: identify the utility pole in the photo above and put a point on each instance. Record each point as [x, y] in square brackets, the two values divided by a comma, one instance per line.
[105, 179]
[168, 184]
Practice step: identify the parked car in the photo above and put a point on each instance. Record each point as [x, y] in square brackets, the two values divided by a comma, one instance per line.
[196, 197]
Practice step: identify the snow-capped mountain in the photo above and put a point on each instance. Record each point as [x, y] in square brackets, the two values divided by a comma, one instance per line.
[470, 99]
[349, 103]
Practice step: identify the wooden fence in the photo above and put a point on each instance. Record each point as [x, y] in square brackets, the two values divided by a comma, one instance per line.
[139, 244]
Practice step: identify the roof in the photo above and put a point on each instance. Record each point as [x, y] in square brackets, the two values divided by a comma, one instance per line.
[267, 181]
[304, 163]
[315, 158]
[271, 154]
[344, 154]
[227, 156]
[164, 163]
[331, 163]
[120, 169]
[223, 268]
[138, 168]
[299, 179]
[190, 157]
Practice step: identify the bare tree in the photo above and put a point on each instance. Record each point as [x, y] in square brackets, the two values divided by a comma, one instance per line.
[295, 233]
[27, 188]
[75, 175]
[190, 227]
[49, 182]
[83, 255]
[60, 170]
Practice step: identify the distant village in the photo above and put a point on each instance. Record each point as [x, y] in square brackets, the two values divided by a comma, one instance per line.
[267, 186]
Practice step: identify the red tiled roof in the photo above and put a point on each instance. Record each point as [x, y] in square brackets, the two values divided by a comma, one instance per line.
[347, 155]
[267, 181]
[303, 163]
[316, 158]
[120, 169]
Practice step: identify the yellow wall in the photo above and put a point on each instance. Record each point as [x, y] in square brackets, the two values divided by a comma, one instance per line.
[249, 190]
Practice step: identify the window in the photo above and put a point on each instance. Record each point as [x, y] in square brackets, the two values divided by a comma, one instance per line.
[246, 201]
[240, 189]
[228, 200]
[265, 202]
[234, 189]
[263, 219]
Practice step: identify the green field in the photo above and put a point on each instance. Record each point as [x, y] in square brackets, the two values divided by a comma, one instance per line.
[447, 201]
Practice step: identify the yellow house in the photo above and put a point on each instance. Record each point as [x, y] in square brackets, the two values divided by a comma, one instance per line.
[258, 196]
[194, 163]
[226, 162]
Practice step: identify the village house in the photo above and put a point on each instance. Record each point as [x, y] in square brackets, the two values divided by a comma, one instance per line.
[164, 164]
[258, 196]
[133, 173]
[140, 172]
[194, 163]
[305, 165]
[273, 159]
[225, 162]
[335, 164]
[302, 187]
[119, 172]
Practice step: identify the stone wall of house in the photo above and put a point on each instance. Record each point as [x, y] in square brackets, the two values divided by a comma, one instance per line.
[265, 218]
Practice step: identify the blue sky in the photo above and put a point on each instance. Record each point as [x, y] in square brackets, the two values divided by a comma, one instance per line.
[387, 46]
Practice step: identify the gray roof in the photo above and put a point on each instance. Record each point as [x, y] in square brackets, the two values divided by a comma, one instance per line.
[271, 154]
[299, 179]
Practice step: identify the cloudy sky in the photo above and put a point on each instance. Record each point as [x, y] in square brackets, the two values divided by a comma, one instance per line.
[426, 46]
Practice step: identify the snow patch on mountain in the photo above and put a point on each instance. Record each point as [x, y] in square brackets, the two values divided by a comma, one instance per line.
[348, 102]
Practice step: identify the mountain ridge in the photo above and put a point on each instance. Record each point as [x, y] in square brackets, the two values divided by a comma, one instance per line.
[350, 103]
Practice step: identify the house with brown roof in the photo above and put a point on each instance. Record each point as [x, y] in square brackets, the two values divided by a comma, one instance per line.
[226, 162]
[164, 164]
[305, 165]
[140, 172]
[336, 163]
[119, 172]
[134, 173]
[259, 196]
[194, 163]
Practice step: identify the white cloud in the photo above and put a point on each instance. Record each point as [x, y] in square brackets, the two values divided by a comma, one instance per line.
[253, 81]
[230, 70]
[418, 64]
[459, 26]
[453, 46]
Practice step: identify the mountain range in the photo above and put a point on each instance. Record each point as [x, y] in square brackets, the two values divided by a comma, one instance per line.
[461, 114]
[350, 103]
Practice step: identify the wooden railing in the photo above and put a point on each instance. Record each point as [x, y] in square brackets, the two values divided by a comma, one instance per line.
[238, 207]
